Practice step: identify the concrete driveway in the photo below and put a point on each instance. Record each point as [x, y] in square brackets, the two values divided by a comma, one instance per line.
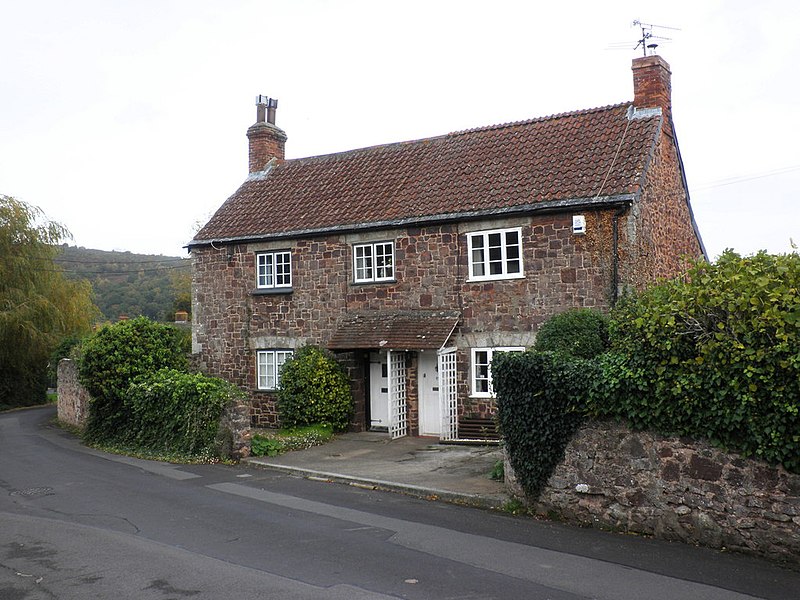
[414, 465]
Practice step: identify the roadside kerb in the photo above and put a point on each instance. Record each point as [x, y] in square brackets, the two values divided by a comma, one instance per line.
[427, 493]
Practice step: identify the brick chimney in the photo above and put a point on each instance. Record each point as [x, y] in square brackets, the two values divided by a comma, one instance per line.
[266, 140]
[652, 87]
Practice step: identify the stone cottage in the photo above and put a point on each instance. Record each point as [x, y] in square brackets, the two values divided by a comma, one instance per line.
[416, 261]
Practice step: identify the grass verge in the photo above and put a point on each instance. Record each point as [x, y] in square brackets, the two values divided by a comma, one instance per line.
[269, 442]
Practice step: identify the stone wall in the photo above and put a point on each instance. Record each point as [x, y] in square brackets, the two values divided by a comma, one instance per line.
[675, 489]
[73, 406]
[232, 320]
[658, 240]
[73, 399]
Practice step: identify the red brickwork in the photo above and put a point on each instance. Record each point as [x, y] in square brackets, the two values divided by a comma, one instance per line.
[266, 142]
[660, 240]
[652, 87]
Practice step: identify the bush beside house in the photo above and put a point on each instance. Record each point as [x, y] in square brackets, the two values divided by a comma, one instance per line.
[314, 389]
[143, 397]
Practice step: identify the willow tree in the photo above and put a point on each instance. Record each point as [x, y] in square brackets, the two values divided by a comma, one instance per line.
[39, 306]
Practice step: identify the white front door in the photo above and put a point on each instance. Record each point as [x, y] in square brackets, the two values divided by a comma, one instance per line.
[430, 414]
[378, 390]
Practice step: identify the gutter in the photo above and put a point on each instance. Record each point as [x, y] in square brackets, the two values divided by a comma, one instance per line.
[524, 209]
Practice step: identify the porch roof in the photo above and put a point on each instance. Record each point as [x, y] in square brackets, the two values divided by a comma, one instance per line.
[394, 330]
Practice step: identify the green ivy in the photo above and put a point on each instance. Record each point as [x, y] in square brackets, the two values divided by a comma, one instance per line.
[715, 355]
[314, 389]
[540, 400]
[177, 411]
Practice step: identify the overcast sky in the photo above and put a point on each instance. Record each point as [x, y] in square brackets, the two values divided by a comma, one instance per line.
[125, 120]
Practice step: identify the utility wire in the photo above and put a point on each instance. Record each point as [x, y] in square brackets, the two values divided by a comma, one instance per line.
[129, 272]
[741, 179]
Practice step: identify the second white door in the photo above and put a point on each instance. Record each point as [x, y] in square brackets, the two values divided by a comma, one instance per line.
[430, 416]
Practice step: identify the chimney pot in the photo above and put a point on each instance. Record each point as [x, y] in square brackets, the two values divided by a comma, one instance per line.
[261, 108]
[265, 139]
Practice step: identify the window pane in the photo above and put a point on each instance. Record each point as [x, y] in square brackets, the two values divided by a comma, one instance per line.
[270, 376]
[266, 379]
[280, 358]
[363, 263]
[513, 262]
[478, 267]
[383, 261]
[481, 366]
[283, 269]
[261, 370]
[264, 270]
[495, 254]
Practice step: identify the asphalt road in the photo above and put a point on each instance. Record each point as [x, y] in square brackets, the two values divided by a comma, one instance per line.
[76, 523]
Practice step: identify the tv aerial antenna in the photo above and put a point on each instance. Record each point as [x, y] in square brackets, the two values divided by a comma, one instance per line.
[648, 40]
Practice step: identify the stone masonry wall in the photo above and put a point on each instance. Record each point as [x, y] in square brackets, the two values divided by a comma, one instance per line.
[657, 237]
[73, 399]
[233, 320]
[675, 489]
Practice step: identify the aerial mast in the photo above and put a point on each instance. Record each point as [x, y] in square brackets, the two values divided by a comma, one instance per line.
[647, 40]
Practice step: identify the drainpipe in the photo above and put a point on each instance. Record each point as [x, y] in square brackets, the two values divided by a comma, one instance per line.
[615, 254]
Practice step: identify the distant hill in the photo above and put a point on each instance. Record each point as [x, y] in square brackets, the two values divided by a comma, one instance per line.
[131, 284]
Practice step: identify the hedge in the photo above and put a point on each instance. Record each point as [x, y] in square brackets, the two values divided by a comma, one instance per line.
[177, 412]
[112, 358]
[577, 332]
[714, 356]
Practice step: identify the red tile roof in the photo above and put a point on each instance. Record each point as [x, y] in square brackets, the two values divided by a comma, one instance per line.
[502, 168]
[400, 330]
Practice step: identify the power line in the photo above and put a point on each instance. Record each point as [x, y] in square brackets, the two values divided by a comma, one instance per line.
[127, 262]
[129, 272]
[743, 178]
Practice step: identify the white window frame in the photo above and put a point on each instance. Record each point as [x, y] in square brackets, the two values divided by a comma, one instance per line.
[372, 262]
[486, 375]
[274, 269]
[486, 263]
[268, 367]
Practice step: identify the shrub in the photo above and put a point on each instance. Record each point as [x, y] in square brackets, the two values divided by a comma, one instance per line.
[581, 333]
[540, 406]
[314, 389]
[178, 412]
[715, 356]
[112, 358]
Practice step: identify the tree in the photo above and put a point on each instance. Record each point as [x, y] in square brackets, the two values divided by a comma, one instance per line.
[38, 305]
[181, 284]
